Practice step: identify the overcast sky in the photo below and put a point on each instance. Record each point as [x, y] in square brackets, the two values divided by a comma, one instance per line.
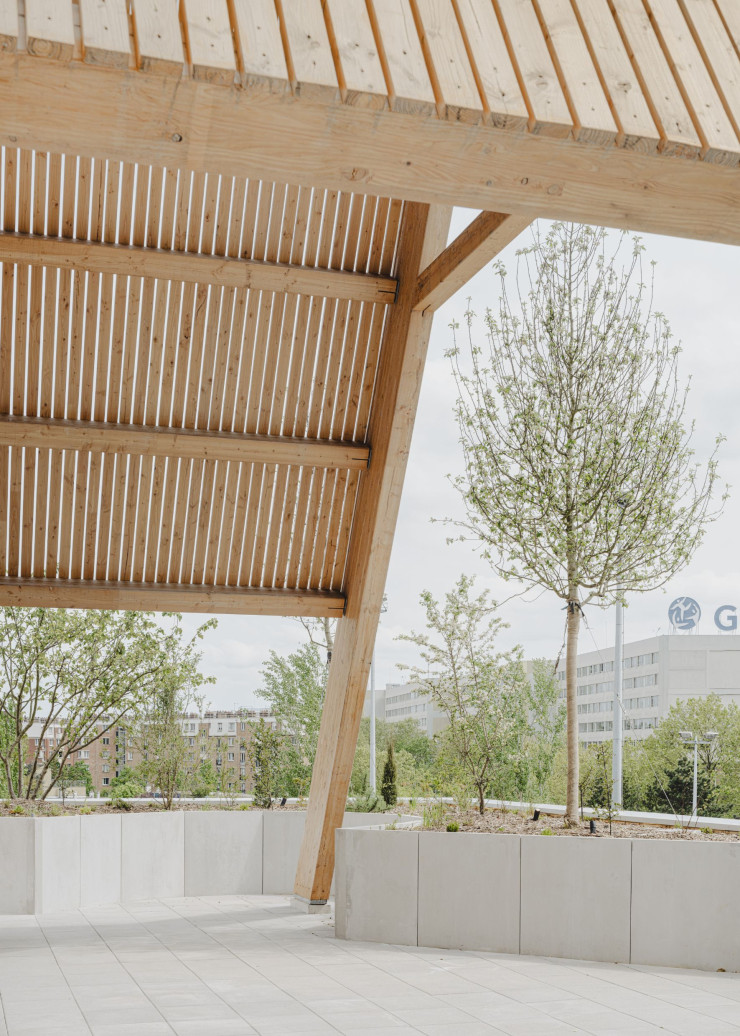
[698, 288]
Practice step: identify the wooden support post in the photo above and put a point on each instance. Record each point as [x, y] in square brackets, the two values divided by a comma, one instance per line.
[478, 244]
[423, 235]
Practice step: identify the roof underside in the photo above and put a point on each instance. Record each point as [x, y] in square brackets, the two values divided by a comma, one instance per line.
[188, 356]
[290, 371]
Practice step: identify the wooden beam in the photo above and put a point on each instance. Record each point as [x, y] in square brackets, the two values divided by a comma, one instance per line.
[478, 244]
[120, 114]
[191, 267]
[98, 437]
[167, 597]
[402, 358]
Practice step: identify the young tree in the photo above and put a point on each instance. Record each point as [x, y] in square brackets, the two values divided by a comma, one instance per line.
[83, 672]
[266, 753]
[482, 691]
[168, 761]
[579, 471]
[72, 774]
[388, 786]
[294, 686]
[544, 735]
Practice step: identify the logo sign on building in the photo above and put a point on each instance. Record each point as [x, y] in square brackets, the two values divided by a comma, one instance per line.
[684, 614]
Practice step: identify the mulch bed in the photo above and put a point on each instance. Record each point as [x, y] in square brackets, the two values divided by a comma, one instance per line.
[513, 822]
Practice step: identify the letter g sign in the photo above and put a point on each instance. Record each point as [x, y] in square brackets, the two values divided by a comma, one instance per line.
[728, 623]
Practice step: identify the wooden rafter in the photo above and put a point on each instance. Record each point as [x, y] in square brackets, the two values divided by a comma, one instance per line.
[399, 378]
[475, 246]
[100, 437]
[193, 268]
[111, 594]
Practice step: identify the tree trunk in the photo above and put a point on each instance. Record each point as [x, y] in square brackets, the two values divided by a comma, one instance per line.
[481, 800]
[571, 674]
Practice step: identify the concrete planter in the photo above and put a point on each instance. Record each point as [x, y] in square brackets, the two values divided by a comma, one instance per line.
[61, 863]
[640, 901]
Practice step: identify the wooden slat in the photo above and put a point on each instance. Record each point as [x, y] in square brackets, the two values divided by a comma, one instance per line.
[133, 261]
[720, 57]
[475, 246]
[8, 25]
[50, 29]
[309, 58]
[678, 134]
[105, 32]
[79, 593]
[730, 12]
[549, 113]
[447, 60]
[399, 376]
[637, 128]
[260, 48]
[589, 108]
[356, 58]
[719, 140]
[497, 77]
[209, 41]
[399, 49]
[157, 37]
[100, 437]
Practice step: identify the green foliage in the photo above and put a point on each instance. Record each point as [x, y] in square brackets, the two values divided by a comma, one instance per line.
[129, 784]
[204, 779]
[545, 831]
[388, 786]
[71, 775]
[267, 750]
[453, 826]
[294, 686]
[580, 476]
[483, 692]
[415, 756]
[169, 762]
[83, 671]
[366, 802]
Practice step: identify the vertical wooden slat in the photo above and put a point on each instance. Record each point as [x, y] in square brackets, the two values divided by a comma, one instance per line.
[719, 140]
[157, 37]
[589, 108]
[105, 33]
[399, 49]
[549, 112]
[638, 129]
[208, 39]
[50, 29]
[720, 57]
[359, 69]
[8, 25]
[491, 61]
[308, 52]
[677, 131]
[259, 45]
[448, 62]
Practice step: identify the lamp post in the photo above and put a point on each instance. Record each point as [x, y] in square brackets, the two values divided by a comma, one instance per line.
[373, 780]
[689, 738]
[617, 729]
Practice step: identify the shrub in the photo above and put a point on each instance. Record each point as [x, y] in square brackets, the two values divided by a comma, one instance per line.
[453, 826]
[388, 787]
[545, 831]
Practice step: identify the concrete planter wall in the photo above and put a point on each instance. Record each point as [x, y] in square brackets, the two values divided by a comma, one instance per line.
[641, 901]
[60, 863]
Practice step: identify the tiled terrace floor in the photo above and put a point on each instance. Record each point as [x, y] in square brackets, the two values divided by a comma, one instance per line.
[224, 966]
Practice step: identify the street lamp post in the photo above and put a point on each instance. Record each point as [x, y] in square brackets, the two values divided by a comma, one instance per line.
[689, 738]
[617, 728]
[373, 780]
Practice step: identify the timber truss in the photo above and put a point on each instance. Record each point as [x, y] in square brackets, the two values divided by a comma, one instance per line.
[224, 235]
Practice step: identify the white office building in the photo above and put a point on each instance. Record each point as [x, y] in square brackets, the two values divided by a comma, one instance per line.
[657, 672]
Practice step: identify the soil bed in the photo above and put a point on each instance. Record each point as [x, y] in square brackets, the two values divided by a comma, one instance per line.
[513, 822]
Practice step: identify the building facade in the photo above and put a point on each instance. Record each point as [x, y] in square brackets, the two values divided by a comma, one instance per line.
[221, 736]
[657, 672]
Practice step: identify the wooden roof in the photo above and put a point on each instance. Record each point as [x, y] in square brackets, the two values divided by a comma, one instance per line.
[188, 350]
